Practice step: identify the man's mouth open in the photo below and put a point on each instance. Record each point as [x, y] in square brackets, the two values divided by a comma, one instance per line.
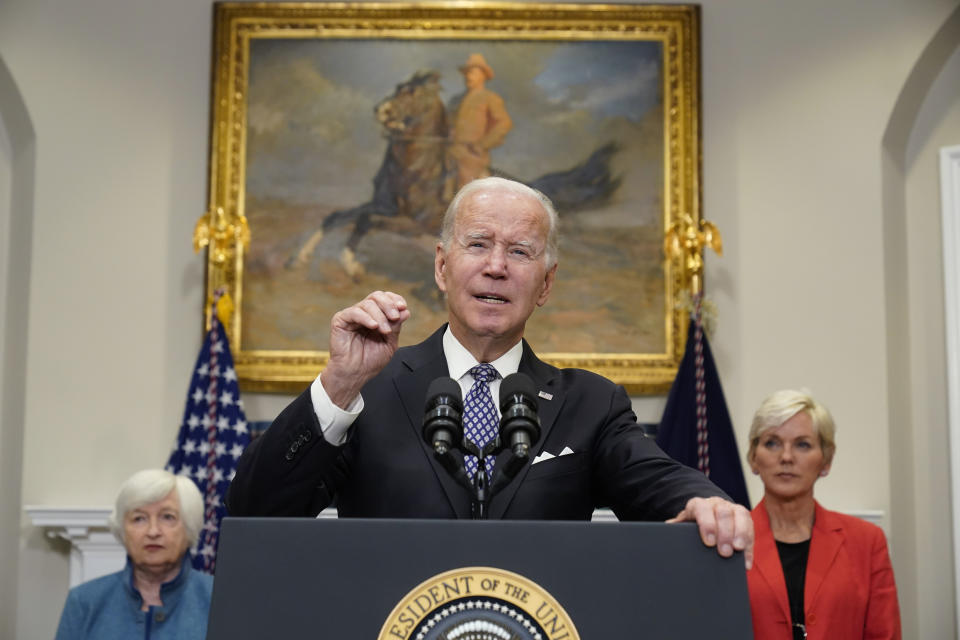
[491, 298]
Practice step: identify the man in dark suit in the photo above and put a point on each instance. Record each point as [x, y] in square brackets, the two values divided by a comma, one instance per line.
[496, 262]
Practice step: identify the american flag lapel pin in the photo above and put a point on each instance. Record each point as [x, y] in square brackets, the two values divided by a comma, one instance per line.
[545, 395]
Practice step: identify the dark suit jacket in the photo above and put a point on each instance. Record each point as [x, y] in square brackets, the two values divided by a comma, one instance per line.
[848, 591]
[385, 469]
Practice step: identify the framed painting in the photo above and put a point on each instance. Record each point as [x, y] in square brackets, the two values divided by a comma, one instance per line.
[340, 132]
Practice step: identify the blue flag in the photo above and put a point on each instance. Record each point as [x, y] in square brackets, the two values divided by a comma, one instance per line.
[695, 428]
[212, 436]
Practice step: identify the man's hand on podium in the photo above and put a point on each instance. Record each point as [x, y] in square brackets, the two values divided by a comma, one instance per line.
[723, 524]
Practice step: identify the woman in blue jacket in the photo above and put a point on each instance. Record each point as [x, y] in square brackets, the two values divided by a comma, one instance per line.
[157, 595]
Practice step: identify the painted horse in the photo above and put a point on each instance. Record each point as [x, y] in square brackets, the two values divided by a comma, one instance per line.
[412, 187]
[408, 189]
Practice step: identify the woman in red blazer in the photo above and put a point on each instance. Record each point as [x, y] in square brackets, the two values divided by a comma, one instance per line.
[816, 573]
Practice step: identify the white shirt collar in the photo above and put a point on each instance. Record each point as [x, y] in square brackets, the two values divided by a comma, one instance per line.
[460, 361]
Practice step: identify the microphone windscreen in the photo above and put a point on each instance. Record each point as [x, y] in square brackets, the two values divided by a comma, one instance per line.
[517, 383]
[445, 386]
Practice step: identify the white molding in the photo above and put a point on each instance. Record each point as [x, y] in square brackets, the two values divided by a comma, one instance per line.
[873, 516]
[950, 219]
[72, 520]
[94, 551]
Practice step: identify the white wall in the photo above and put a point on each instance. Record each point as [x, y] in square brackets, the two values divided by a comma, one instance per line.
[16, 222]
[797, 98]
[937, 125]
[10, 498]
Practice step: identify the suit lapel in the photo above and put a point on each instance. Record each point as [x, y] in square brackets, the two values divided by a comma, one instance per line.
[546, 382]
[422, 364]
[825, 544]
[767, 559]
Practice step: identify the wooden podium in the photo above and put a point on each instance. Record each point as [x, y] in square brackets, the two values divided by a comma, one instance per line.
[355, 579]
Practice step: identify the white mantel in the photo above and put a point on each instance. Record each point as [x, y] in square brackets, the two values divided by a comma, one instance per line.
[94, 551]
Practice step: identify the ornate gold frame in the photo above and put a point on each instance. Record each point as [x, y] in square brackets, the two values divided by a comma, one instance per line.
[223, 229]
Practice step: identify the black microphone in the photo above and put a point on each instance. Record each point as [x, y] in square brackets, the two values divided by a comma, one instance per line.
[520, 425]
[442, 420]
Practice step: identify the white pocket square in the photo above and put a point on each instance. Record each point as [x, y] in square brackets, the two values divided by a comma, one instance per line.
[546, 455]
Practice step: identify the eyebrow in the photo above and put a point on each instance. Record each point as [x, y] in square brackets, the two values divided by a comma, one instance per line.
[484, 235]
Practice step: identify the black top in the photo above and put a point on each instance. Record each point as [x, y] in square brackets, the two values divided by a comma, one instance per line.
[793, 559]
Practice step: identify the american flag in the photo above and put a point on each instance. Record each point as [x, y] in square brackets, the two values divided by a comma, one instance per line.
[696, 428]
[212, 436]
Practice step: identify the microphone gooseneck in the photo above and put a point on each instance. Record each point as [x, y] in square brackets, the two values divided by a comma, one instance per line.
[443, 415]
[519, 424]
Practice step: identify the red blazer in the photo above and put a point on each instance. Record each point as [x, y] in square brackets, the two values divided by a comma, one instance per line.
[848, 593]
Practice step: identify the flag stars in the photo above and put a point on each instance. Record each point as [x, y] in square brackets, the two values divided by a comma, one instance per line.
[212, 436]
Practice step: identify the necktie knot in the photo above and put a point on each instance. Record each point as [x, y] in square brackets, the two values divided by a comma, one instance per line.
[484, 373]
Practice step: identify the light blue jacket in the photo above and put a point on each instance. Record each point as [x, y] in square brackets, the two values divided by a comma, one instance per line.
[109, 607]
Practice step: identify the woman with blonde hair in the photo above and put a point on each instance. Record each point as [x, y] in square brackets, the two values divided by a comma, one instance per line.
[816, 573]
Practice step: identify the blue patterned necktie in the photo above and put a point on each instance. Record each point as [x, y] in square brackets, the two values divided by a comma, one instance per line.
[480, 415]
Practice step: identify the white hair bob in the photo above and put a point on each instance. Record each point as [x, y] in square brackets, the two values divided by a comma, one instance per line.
[150, 485]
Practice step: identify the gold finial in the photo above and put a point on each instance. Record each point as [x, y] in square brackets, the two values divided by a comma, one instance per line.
[684, 243]
[221, 233]
[225, 308]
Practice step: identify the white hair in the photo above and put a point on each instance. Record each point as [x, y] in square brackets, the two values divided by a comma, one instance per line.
[782, 405]
[495, 183]
[150, 485]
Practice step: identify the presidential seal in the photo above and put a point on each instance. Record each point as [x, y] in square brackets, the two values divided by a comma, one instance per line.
[478, 603]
